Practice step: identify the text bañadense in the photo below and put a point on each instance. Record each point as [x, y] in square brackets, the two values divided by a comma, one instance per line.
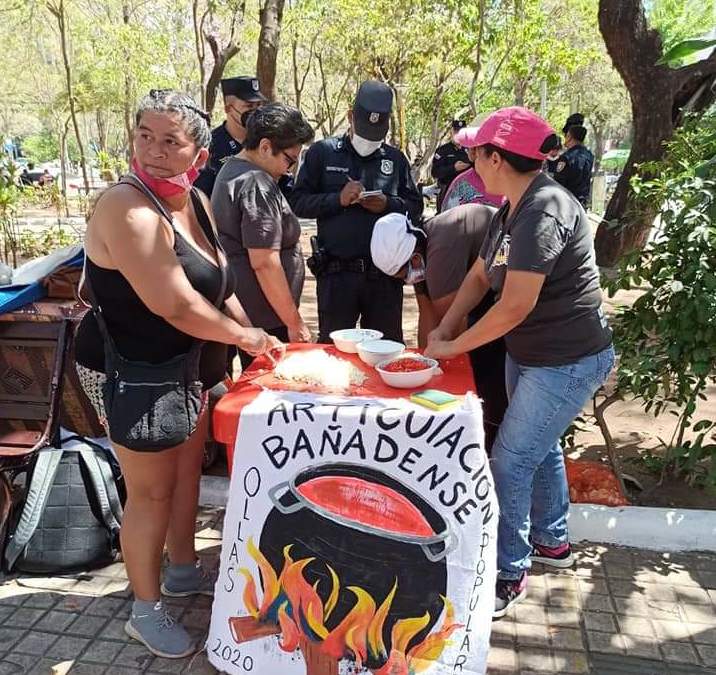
[438, 457]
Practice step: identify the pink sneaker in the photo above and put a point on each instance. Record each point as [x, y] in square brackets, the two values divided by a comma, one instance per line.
[561, 556]
[509, 593]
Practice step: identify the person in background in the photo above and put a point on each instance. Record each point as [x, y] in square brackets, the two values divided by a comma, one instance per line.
[241, 95]
[449, 160]
[26, 177]
[257, 227]
[156, 272]
[574, 166]
[45, 179]
[538, 257]
[468, 187]
[436, 258]
[347, 183]
[574, 119]
[550, 164]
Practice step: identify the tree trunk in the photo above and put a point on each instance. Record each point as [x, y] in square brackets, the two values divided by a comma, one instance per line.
[521, 86]
[478, 60]
[299, 80]
[297, 88]
[200, 47]
[127, 102]
[102, 131]
[221, 54]
[58, 11]
[421, 170]
[399, 90]
[63, 164]
[599, 130]
[270, 17]
[658, 93]
[217, 72]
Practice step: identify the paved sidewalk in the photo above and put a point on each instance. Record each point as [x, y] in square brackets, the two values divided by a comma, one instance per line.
[619, 611]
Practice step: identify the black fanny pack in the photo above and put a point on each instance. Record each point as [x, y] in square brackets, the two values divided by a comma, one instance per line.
[153, 406]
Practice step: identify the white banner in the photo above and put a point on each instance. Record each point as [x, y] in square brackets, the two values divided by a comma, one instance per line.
[360, 537]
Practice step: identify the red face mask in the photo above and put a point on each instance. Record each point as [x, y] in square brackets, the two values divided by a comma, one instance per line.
[167, 187]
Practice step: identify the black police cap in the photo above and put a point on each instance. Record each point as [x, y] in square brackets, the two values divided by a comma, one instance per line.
[458, 124]
[246, 88]
[575, 119]
[371, 111]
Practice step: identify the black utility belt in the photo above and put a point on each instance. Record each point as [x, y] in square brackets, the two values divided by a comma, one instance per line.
[358, 265]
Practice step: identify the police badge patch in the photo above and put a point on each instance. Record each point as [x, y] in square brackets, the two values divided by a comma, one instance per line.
[255, 85]
[386, 167]
[561, 165]
[374, 117]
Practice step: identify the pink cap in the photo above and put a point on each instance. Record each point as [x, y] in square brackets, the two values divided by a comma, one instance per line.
[467, 137]
[514, 129]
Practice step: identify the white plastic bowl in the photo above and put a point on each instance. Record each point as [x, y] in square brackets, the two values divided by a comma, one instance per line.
[407, 380]
[373, 352]
[347, 339]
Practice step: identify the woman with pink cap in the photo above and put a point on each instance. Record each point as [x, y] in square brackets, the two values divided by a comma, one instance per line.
[468, 187]
[538, 257]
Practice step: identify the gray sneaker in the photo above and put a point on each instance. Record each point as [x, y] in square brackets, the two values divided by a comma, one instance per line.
[160, 633]
[181, 581]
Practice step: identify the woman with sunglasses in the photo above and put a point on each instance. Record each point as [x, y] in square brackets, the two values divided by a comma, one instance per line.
[257, 227]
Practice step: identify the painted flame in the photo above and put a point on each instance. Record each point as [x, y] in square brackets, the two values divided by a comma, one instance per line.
[296, 607]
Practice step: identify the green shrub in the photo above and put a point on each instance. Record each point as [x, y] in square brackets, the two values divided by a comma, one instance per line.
[667, 338]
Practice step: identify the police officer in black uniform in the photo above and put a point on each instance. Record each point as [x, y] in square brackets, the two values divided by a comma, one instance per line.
[574, 166]
[553, 157]
[449, 160]
[241, 96]
[347, 183]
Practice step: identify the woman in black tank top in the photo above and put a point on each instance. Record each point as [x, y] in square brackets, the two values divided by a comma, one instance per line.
[155, 271]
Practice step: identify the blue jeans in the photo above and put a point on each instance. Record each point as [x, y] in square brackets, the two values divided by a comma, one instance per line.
[527, 460]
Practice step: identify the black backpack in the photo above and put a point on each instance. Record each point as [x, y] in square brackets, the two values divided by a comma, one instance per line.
[71, 513]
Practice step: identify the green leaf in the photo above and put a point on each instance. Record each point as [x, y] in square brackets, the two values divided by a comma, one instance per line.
[683, 50]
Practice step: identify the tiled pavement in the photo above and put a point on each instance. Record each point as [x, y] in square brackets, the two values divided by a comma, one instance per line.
[618, 611]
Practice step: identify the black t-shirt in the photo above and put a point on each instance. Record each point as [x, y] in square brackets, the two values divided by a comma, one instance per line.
[549, 233]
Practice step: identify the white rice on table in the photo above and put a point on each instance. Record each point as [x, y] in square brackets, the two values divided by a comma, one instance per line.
[317, 368]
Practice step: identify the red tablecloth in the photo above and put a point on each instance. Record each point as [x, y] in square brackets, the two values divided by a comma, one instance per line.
[456, 379]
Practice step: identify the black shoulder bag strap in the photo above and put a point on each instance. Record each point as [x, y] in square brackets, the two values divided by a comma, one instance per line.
[208, 228]
[205, 224]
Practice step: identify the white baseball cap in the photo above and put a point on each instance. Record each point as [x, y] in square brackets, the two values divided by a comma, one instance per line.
[393, 242]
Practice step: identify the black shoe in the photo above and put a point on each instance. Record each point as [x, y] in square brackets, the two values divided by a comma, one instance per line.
[509, 593]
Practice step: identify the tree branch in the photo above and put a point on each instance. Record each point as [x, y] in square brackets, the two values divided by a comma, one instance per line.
[599, 410]
[630, 42]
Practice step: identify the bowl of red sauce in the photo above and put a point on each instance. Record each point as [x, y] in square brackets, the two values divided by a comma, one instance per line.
[407, 371]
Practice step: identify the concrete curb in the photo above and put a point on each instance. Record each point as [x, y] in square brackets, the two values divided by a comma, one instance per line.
[644, 527]
[637, 526]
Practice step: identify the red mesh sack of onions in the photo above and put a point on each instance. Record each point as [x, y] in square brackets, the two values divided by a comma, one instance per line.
[593, 483]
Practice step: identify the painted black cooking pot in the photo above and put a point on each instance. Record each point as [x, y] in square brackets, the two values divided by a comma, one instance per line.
[364, 556]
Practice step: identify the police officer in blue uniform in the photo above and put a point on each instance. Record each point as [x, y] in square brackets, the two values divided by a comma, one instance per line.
[242, 96]
[347, 183]
[574, 166]
[449, 160]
